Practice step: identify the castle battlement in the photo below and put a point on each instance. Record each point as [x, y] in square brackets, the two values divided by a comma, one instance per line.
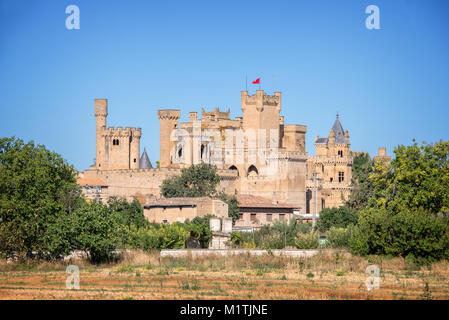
[169, 114]
[113, 152]
[215, 115]
[261, 99]
[123, 132]
[224, 173]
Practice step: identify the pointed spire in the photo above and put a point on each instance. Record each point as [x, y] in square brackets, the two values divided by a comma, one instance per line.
[338, 131]
[144, 162]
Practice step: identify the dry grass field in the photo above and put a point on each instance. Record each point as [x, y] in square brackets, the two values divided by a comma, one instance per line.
[328, 275]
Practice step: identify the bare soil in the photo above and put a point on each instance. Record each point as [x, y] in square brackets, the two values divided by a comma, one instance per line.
[146, 276]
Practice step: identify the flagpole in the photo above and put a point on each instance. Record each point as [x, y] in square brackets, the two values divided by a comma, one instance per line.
[246, 82]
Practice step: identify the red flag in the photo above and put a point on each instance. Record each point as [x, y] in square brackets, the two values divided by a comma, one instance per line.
[257, 81]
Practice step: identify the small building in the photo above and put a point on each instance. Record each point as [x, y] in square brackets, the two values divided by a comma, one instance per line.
[221, 233]
[256, 211]
[93, 188]
[169, 210]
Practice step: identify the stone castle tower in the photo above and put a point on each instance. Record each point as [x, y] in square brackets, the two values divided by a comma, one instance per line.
[332, 168]
[116, 148]
[168, 120]
[267, 156]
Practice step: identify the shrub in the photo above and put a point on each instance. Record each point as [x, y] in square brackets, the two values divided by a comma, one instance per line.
[199, 229]
[336, 217]
[236, 239]
[275, 236]
[340, 273]
[338, 237]
[307, 240]
[273, 241]
[417, 233]
[165, 236]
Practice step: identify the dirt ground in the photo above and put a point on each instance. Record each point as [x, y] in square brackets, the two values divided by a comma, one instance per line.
[147, 276]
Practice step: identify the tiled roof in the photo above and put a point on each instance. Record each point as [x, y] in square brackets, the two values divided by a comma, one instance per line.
[175, 202]
[91, 182]
[250, 201]
[321, 140]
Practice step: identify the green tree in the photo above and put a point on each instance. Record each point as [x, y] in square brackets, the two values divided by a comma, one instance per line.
[340, 217]
[91, 228]
[362, 185]
[36, 187]
[417, 178]
[195, 181]
[128, 213]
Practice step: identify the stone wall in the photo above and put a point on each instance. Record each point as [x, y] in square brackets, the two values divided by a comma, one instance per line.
[141, 183]
[179, 210]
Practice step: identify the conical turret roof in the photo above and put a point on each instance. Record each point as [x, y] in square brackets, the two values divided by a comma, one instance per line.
[338, 132]
[144, 162]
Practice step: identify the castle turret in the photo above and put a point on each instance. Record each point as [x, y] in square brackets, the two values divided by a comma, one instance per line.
[134, 154]
[331, 137]
[168, 120]
[101, 112]
[347, 137]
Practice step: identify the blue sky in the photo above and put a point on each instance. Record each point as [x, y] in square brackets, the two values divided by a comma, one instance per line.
[389, 85]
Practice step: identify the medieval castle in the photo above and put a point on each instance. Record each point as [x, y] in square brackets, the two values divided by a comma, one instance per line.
[256, 154]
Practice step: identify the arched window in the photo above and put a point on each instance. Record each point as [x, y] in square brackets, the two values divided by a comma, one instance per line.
[252, 171]
[234, 168]
[180, 152]
[340, 153]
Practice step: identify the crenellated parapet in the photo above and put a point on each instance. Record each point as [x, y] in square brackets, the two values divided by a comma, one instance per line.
[116, 148]
[215, 115]
[169, 114]
[261, 99]
[122, 132]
